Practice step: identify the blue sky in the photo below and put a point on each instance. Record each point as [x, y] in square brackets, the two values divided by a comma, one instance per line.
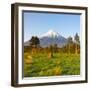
[36, 24]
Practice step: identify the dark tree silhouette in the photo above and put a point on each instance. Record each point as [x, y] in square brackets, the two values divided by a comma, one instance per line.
[77, 42]
[34, 41]
[70, 41]
[76, 38]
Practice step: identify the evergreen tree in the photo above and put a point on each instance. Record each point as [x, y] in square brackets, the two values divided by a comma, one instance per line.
[70, 41]
[34, 41]
[77, 42]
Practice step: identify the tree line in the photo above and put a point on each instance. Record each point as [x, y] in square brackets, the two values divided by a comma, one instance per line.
[72, 46]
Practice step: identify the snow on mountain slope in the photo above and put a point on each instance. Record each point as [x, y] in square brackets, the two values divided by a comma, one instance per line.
[50, 33]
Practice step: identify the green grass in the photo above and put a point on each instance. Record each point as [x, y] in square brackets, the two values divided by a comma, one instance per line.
[60, 64]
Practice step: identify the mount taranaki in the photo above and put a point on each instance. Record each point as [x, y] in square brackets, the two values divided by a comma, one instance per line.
[50, 38]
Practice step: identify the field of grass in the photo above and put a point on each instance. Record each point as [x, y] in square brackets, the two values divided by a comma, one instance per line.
[60, 64]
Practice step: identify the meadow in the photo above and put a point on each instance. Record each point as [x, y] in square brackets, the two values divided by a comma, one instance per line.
[39, 64]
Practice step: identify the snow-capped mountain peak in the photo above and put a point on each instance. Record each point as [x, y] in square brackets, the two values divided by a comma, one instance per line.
[51, 33]
[50, 38]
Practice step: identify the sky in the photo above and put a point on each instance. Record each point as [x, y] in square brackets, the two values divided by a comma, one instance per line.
[36, 24]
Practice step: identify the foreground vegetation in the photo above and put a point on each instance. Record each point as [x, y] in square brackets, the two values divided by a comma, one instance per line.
[52, 60]
[40, 64]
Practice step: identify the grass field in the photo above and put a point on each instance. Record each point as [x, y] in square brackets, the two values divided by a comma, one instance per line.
[60, 64]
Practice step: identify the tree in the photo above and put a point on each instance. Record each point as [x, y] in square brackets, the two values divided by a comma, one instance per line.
[77, 42]
[76, 38]
[34, 41]
[70, 41]
[34, 44]
[55, 47]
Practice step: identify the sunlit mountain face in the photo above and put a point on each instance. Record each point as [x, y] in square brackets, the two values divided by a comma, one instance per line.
[51, 37]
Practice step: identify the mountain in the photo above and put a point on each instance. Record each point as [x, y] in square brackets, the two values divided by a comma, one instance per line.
[50, 33]
[50, 38]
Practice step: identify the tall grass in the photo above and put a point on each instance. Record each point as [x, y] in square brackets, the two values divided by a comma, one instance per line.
[60, 64]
